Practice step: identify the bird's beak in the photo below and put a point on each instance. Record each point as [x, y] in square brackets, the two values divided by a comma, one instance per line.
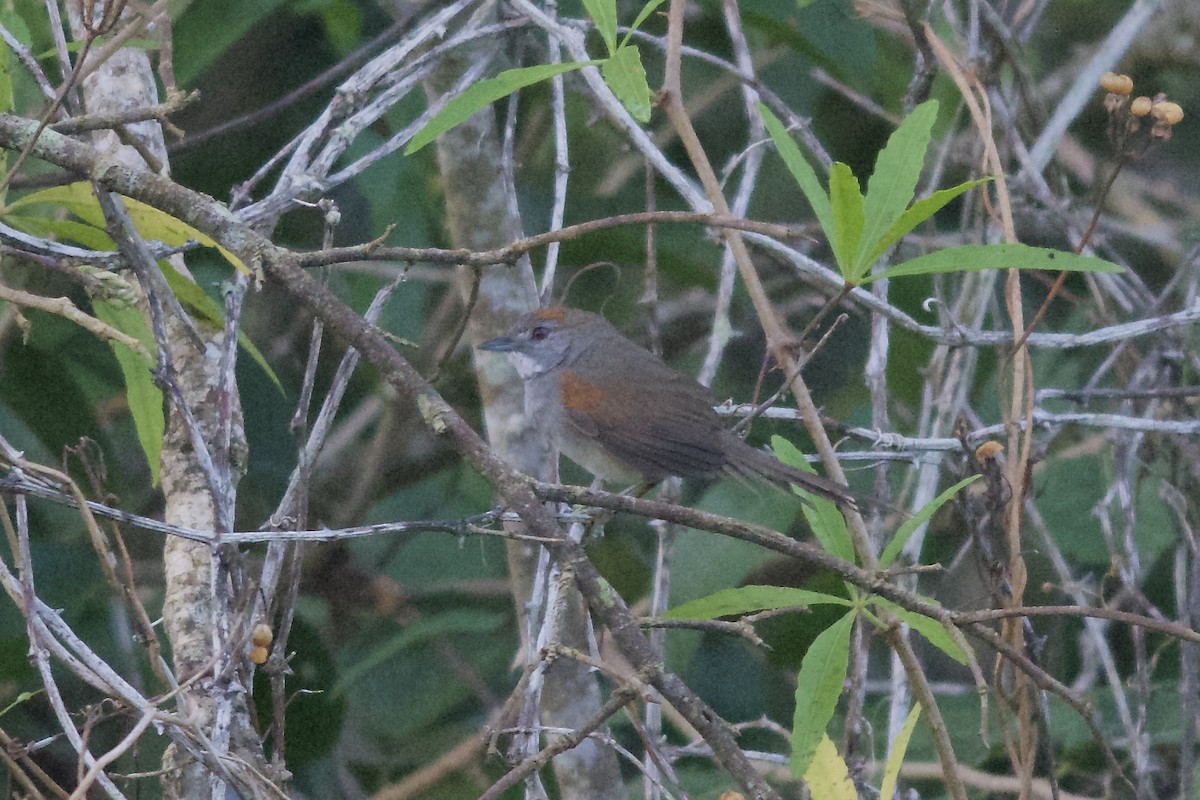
[501, 344]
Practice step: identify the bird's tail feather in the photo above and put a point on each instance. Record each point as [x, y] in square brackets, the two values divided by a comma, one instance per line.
[760, 464]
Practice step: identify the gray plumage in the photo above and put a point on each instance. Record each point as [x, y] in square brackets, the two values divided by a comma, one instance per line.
[620, 412]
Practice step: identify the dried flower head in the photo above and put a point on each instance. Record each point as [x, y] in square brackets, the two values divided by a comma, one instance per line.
[263, 636]
[1140, 106]
[1167, 112]
[1129, 135]
[987, 451]
[1116, 84]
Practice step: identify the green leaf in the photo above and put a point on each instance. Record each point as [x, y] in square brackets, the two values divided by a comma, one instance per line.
[206, 30]
[155, 224]
[818, 687]
[604, 14]
[910, 525]
[145, 399]
[624, 74]
[23, 697]
[803, 39]
[150, 222]
[845, 197]
[62, 229]
[998, 256]
[805, 177]
[749, 600]
[342, 21]
[461, 108]
[895, 759]
[199, 303]
[87, 235]
[74, 197]
[13, 20]
[642, 16]
[827, 776]
[917, 213]
[827, 523]
[894, 180]
[928, 627]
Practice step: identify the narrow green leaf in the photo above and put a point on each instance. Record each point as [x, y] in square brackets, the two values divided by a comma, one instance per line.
[604, 14]
[937, 635]
[151, 223]
[910, 525]
[67, 230]
[805, 177]
[998, 256]
[917, 213]
[818, 687]
[145, 399]
[894, 180]
[461, 108]
[155, 224]
[12, 19]
[802, 39]
[89, 236]
[928, 627]
[827, 776]
[23, 697]
[827, 523]
[895, 759]
[642, 16]
[74, 197]
[749, 600]
[199, 303]
[845, 197]
[624, 74]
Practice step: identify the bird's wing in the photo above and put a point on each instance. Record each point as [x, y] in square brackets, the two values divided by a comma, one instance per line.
[659, 427]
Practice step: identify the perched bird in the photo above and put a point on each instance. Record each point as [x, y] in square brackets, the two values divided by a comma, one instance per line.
[620, 412]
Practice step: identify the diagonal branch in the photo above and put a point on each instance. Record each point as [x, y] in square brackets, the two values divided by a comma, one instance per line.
[515, 489]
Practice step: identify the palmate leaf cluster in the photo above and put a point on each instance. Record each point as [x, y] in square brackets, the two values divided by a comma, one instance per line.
[823, 670]
[862, 228]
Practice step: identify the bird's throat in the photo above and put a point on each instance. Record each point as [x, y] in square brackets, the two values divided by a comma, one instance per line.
[526, 366]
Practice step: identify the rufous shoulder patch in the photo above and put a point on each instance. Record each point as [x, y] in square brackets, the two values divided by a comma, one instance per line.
[579, 394]
[552, 314]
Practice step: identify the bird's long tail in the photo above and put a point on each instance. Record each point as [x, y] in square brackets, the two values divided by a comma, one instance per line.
[753, 463]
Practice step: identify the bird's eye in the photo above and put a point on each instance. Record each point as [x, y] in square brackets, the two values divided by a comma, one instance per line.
[539, 333]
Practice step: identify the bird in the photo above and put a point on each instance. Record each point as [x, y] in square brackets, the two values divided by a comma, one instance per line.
[623, 414]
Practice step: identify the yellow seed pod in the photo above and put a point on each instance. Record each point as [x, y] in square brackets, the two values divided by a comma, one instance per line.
[987, 451]
[258, 655]
[262, 635]
[1167, 112]
[1117, 84]
[1141, 106]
